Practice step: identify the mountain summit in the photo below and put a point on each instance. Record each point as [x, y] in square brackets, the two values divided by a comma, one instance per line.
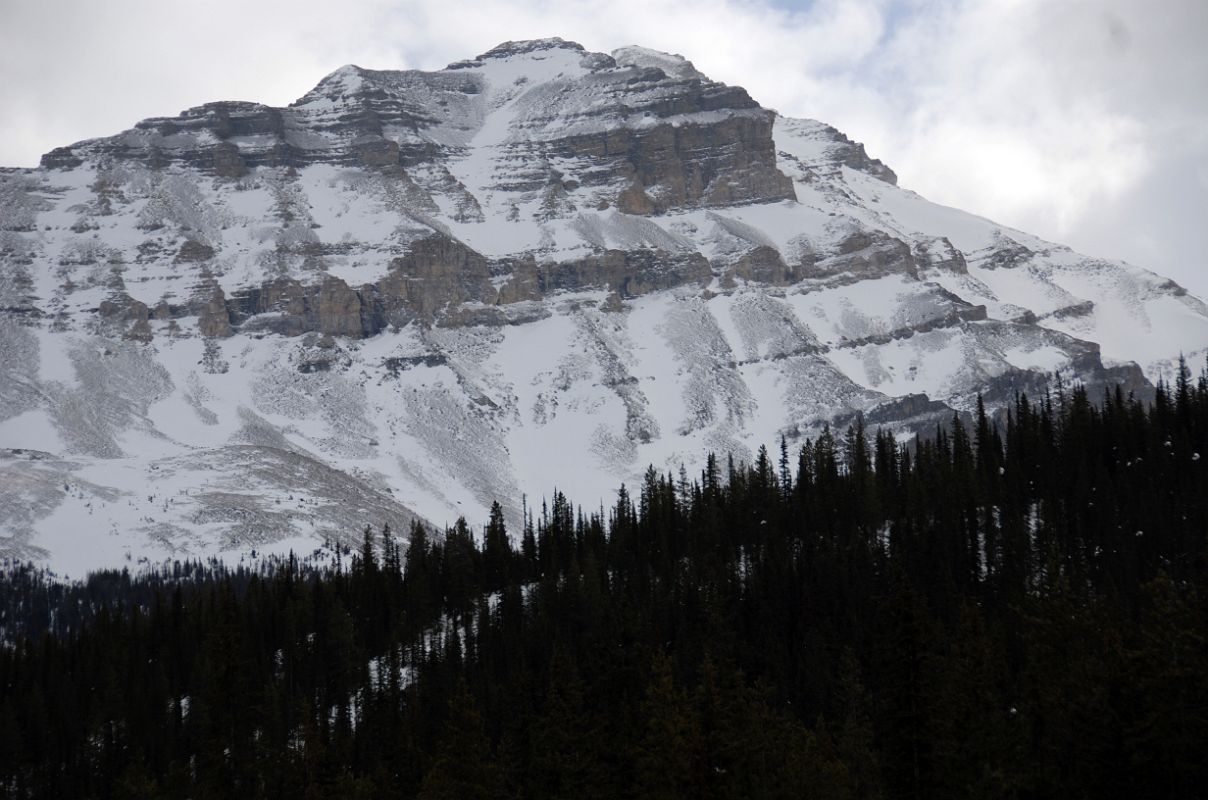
[413, 293]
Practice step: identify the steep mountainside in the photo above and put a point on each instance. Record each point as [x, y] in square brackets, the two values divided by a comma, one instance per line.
[409, 292]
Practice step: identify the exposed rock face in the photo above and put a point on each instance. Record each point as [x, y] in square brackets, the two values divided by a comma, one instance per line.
[193, 251]
[628, 274]
[131, 316]
[227, 162]
[377, 153]
[634, 200]
[432, 279]
[214, 320]
[682, 141]
[673, 167]
[1007, 253]
[435, 273]
[854, 156]
[869, 254]
[339, 309]
[61, 158]
[765, 265]
[940, 254]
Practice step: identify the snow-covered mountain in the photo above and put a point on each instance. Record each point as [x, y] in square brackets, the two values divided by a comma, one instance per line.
[413, 293]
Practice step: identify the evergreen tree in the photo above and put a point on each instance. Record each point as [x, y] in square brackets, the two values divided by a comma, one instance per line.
[464, 767]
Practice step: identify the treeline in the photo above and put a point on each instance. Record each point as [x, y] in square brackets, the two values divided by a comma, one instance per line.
[35, 599]
[1015, 610]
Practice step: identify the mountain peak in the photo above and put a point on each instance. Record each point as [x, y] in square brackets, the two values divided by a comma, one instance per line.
[526, 46]
[525, 50]
[672, 64]
[429, 290]
[347, 78]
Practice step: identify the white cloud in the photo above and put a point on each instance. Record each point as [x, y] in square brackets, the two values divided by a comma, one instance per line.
[1082, 122]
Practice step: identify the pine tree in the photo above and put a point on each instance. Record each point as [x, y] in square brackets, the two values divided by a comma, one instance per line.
[566, 743]
[667, 749]
[464, 767]
[496, 552]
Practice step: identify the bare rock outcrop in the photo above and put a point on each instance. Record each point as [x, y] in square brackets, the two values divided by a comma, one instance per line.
[765, 265]
[436, 272]
[868, 254]
[214, 320]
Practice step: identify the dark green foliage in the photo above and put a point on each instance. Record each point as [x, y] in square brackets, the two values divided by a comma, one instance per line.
[464, 767]
[1006, 610]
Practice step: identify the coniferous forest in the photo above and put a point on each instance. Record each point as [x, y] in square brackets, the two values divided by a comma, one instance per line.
[1012, 608]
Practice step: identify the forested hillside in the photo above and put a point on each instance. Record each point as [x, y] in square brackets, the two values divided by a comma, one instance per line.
[1008, 609]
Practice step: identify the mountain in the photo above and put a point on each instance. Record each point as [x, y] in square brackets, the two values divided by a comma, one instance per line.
[410, 293]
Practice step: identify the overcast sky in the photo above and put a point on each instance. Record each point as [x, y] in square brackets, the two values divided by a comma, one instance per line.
[1083, 122]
